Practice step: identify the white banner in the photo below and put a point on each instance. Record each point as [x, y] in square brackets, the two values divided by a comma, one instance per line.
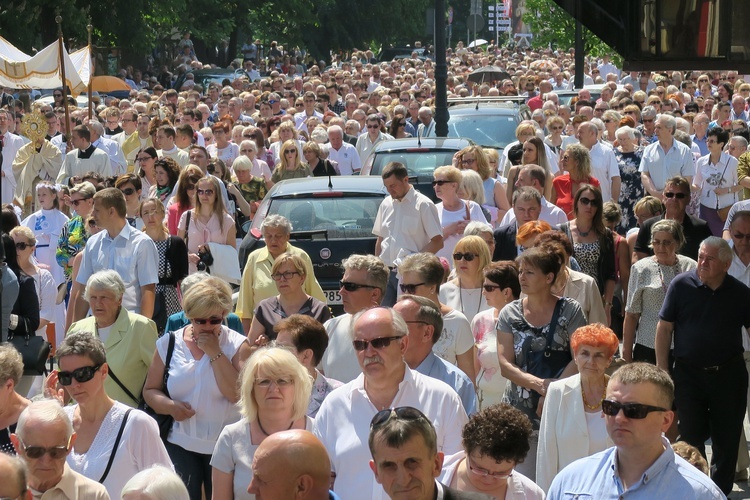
[42, 71]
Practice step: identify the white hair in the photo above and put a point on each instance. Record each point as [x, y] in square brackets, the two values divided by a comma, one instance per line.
[47, 411]
[157, 483]
[105, 280]
[625, 131]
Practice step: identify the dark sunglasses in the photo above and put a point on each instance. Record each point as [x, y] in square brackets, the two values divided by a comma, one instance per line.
[128, 191]
[440, 183]
[410, 289]
[82, 375]
[679, 196]
[491, 288]
[22, 245]
[468, 257]
[75, 203]
[378, 343]
[207, 192]
[403, 413]
[589, 201]
[211, 321]
[630, 410]
[36, 452]
[352, 287]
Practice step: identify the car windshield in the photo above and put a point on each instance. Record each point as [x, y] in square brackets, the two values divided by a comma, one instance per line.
[487, 130]
[345, 217]
[418, 163]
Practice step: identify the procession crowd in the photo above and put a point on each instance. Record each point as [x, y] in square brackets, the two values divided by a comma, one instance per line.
[567, 321]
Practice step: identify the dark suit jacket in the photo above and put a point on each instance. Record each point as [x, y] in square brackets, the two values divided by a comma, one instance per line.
[696, 230]
[350, 139]
[451, 494]
[505, 243]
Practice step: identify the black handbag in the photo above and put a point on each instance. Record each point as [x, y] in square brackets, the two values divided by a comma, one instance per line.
[163, 421]
[34, 351]
[543, 362]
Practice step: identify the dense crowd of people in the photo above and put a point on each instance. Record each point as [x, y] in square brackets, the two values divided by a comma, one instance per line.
[568, 319]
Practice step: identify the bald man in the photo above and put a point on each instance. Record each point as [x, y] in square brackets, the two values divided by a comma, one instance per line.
[291, 464]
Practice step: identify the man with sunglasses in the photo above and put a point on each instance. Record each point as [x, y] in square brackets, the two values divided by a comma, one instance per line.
[44, 438]
[380, 337]
[676, 198]
[641, 464]
[704, 313]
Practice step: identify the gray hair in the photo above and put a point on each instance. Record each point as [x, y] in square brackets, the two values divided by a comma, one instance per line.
[667, 120]
[598, 123]
[429, 312]
[192, 279]
[477, 228]
[725, 251]
[739, 139]
[47, 411]
[377, 272]
[682, 124]
[98, 127]
[336, 129]
[672, 227]
[18, 466]
[625, 131]
[249, 144]
[82, 344]
[276, 221]
[11, 364]
[157, 482]
[107, 280]
[398, 324]
[648, 112]
[682, 137]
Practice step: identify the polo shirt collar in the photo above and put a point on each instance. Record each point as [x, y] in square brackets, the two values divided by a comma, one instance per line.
[653, 471]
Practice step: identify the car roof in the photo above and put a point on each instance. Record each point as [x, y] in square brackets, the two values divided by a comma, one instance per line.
[349, 184]
[423, 143]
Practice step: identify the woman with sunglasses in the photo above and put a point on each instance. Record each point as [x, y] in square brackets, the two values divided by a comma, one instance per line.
[24, 317]
[204, 374]
[286, 132]
[11, 402]
[274, 393]
[289, 274]
[108, 432]
[130, 185]
[207, 222]
[290, 166]
[495, 442]
[500, 287]
[73, 236]
[145, 159]
[576, 165]
[184, 197]
[398, 128]
[222, 148]
[628, 154]
[556, 128]
[464, 292]
[593, 243]
[167, 173]
[454, 213]
[716, 181]
[572, 426]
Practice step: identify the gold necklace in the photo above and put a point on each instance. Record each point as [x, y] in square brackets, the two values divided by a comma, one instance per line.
[586, 403]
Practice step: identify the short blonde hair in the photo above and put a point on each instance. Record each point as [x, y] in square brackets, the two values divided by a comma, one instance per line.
[477, 246]
[25, 232]
[472, 186]
[206, 298]
[275, 363]
[451, 173]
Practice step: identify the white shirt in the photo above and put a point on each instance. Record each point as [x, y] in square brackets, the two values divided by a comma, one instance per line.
[346, 157]
[131, 253]
[456, 337]
[448, 217]
[709, 177]
[343, 425]
[365, 146]
[260, 169]
[301, 117]
[663, 165]
[116, 156]
[75, 166]
[227, 154]
[178, 155]
[604, 167]
[550, 213]
[340, 359]
[11, 144]
[193, 381]
[405, 226]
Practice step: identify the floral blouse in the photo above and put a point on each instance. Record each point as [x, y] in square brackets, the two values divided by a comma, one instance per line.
[72, 240]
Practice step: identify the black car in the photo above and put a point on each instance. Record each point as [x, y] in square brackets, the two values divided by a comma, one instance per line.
[332, 218]
[205, 77]
[420, 156]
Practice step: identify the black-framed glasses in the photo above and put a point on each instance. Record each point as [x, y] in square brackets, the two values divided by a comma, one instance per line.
[440, 183]
[588, 201]
[353, 287]
[144, 158]
[416, 322]
[630, 410]
[75, 203]
[491, 288]
[468, 257]
[285, 275]
[410, 289]
[82, 375]
[36, 452]
[402, 412]
[22, 245]
[679, 196]
[128, 191]
[378, 343]
[214, 320]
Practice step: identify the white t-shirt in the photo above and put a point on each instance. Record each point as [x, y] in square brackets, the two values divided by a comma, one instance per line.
[469, 301]
[456, 337]
[447, 218]
[340, 360]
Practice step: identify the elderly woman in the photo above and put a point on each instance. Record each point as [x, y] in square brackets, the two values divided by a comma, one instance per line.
[474, 158]
[572, 425]
[500, 287]
[113, 441]
[155, 483]
[454, 213]
[314, 160]
[576, 163]
[464, 292]
[495, 441]
[11, 403]
[611, 120]
[556, 127]
[257, 283]
[178, 320]
[307, 339]
[73, 236]
[274, 395]
[484, 231]
[422, 274]
[290, 166]
[533, 338]
[252, 187]
[628, 155]
[222, 148]
[649, 280]
[129, 338]
[289, 273]
[203, 380]
[259, 167]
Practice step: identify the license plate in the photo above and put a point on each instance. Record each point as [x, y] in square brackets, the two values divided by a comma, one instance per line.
[333, 297]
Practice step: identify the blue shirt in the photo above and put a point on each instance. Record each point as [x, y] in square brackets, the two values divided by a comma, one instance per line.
[597, 477]
[439, 369]
[701, 143]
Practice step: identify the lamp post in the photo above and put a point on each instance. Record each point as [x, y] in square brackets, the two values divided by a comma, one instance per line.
[441, 72]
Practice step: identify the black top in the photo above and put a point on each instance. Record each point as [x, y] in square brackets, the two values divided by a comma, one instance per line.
[324, 168]
[177, 256]
[26, 306]
[505, 242]
[86, 153]
[707, 323]
[696, 230]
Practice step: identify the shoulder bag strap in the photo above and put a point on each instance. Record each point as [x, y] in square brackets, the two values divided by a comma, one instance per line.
[114, 448]
[187, 226]
[170, 351]
[721, 179]
[122, 386]
[553, 323]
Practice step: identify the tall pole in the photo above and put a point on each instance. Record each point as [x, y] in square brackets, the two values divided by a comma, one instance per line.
[579, 55]
[441, 72]
[58, 20]
[89, 27]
